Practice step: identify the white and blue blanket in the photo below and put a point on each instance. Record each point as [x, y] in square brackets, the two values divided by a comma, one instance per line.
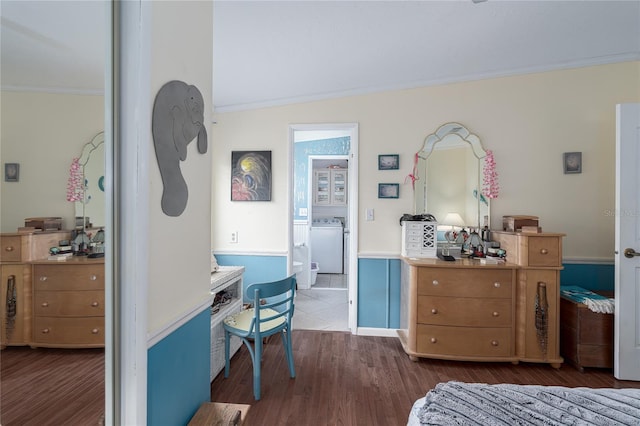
[479, 404]
[595, 302]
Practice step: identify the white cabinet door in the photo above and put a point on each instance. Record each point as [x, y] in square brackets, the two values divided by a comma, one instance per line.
[330, 187]
[322, 187]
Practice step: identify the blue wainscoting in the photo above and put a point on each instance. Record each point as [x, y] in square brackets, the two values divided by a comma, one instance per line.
[379, 293]
[589, 275]
[257, 269]
[178, 370]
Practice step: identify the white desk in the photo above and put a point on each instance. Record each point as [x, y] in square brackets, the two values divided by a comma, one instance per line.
[228, 278]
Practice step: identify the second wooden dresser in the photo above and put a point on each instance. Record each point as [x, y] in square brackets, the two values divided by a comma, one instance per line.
[68, 303]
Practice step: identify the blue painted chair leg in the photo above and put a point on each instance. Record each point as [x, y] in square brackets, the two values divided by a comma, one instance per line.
[226, 353]
[289, 351]
[256, 369]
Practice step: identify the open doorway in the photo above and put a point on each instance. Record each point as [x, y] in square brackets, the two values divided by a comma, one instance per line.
[323, 206]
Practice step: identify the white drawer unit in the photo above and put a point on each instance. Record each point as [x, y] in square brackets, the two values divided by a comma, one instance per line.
[419, 239]
[226, 283]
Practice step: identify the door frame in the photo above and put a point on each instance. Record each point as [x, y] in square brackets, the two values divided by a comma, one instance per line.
[352, 192]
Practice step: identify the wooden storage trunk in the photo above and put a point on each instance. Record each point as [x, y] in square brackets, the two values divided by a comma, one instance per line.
[586, 337]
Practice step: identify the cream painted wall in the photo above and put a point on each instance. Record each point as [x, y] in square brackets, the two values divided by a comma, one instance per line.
[179, 247]
[43, 132]
[528, 121]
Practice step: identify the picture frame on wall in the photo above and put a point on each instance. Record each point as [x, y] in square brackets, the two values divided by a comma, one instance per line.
[572, 162]
[388, 162]
[388, 190]
[11, 172]
[251, 175]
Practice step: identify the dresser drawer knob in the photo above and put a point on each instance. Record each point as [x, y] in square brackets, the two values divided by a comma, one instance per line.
[435, 282]
[9, 248]
[494, 343]
[544, 251]
[45, 304]
[43, 278]
[95, 304]
[434, 311]
[496, 314]
[496, 284]
[434, 340]
[94, 331]
[93, 277]
[45, 331]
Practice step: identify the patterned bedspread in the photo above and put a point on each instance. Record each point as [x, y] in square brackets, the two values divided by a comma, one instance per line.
[455, 403]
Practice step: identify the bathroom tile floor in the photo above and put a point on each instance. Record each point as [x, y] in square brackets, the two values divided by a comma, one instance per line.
[322, 309]
[331, 281]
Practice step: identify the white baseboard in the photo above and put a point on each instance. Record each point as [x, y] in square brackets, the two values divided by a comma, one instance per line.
[379, 332]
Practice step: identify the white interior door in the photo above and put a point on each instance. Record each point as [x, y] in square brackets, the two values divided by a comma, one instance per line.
[627, 243]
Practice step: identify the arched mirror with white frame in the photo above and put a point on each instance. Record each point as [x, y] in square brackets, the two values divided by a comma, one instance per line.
[449, 176]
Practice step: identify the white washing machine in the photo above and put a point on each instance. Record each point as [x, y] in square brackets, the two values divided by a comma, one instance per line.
[327, 245]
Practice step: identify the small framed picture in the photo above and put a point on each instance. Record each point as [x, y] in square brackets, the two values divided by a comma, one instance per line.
[388, 162]
[572, 162]
[388, 190]
[11, 172]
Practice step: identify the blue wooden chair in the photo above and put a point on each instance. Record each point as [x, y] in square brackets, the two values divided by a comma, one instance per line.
[261, 321]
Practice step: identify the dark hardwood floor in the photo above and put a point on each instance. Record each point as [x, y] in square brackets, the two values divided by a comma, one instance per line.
[42, 387]
[343, 379]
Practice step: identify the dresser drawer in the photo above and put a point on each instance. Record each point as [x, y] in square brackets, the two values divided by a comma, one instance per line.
[462, 311]
[544, 251]
[11, 250]
[465, 282]
[68, 331]
[68, 277]
[69, 304]
[470, 342]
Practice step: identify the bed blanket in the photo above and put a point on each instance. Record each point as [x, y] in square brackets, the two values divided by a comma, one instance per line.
[456, 403]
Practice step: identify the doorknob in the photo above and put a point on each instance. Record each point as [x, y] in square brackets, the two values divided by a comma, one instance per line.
[630, 253]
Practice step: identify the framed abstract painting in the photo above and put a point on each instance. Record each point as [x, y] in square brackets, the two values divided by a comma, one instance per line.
[251, 176]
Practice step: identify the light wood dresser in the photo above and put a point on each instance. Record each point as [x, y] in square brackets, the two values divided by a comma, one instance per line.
[17, 251]
[539, 260]
[458, 310]
[15, 316]
[68, 303]
[465, 310]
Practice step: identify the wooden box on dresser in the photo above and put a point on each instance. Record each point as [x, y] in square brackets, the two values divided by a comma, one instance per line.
[68, 303]
[460, 310]
[539, 260]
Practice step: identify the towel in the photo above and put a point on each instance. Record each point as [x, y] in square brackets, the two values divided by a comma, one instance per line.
[595, 302]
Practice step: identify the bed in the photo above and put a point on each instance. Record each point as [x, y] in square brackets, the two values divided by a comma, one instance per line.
[456, 403]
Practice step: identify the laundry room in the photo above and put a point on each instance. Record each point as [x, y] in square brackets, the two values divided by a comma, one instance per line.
[329, 224]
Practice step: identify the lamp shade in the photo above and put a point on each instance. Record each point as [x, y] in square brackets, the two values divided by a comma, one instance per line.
[453, 219]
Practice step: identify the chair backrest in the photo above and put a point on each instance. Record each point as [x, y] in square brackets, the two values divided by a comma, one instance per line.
[278, 296]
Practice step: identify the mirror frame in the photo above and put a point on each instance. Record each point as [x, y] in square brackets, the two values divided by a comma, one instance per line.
[445, 132]
[95, 143]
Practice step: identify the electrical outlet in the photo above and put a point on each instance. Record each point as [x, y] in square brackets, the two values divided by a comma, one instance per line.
[234, 237]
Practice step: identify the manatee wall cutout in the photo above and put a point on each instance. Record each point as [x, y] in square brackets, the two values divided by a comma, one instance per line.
[178, 117]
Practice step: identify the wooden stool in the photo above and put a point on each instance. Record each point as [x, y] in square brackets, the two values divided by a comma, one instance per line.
[220, 414]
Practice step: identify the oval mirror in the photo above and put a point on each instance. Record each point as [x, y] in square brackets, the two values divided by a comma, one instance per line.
[92, 163]
[449, 176]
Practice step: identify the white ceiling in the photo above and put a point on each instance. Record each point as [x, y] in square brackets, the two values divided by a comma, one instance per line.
[278, 52]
